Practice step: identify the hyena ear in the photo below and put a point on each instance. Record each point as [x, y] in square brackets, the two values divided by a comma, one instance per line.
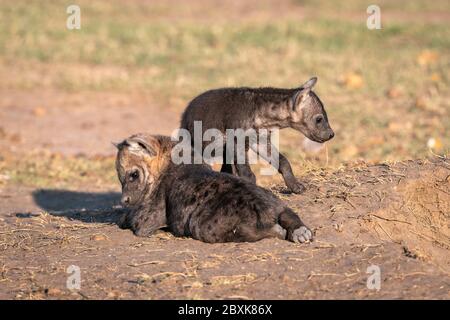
[310, 83]
[120, 145]
[116, 144]
[302, 92]
[140, 145]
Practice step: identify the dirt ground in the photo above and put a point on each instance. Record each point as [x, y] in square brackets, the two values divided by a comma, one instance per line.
[394, 216]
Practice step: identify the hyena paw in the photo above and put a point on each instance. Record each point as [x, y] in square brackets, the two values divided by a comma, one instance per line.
[296, 187]
[124, 221]
[279, 231]
[302, 234]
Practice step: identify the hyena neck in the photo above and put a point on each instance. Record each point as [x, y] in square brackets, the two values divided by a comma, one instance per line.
[163, 159]
[274, 114]
[154, 197]
[159, 167]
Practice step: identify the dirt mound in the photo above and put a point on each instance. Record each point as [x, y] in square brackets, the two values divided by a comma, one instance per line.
[407, 203]
[420, 219]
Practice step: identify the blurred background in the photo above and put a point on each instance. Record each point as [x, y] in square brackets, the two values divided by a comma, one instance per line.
[134, 65]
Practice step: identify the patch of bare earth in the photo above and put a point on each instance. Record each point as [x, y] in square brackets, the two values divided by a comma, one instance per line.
[392, 216]
[82, 123]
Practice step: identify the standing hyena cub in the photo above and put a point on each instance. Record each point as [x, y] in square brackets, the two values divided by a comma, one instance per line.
[193, 200]
[262, 108]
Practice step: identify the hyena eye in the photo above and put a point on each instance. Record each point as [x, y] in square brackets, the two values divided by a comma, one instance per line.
[319, 119]
[134, 175]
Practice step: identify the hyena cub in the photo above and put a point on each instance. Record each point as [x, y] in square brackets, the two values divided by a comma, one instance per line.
[195, 201]
[261, 108]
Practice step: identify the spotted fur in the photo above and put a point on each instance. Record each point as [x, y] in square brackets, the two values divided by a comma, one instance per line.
[195, 201]
[261, 108]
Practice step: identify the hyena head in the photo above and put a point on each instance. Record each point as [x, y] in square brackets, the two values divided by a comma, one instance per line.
[308, 115]
[139, 163]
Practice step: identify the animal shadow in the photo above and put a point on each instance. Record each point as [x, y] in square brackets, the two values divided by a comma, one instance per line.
[99, 207]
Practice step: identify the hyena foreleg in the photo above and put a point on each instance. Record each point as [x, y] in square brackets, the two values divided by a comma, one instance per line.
[144, 221]
[281, 163]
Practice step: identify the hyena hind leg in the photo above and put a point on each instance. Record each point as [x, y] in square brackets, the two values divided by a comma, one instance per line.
[244, 171]
[227, 167]
[250, 234]
[296, 230]
[279, 231]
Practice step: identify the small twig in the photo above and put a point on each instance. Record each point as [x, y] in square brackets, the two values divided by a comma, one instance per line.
[395, 241]
[83, 295]
[387, 219]
[238, 298]
[312, 274]
[145, 263]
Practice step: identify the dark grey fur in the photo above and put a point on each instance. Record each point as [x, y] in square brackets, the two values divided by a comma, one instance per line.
[262, 108]
[195, 201]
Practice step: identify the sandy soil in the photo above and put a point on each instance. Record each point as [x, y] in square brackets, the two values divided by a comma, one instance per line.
[77, 123]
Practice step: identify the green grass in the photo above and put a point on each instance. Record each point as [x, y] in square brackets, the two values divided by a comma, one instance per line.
[191, 56]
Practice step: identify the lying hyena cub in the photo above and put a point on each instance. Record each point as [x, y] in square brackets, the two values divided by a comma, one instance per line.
[193, 200]
[262, 108]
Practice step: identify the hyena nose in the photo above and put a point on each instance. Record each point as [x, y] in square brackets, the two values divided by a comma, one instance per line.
[331, 135]
[125, 200]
